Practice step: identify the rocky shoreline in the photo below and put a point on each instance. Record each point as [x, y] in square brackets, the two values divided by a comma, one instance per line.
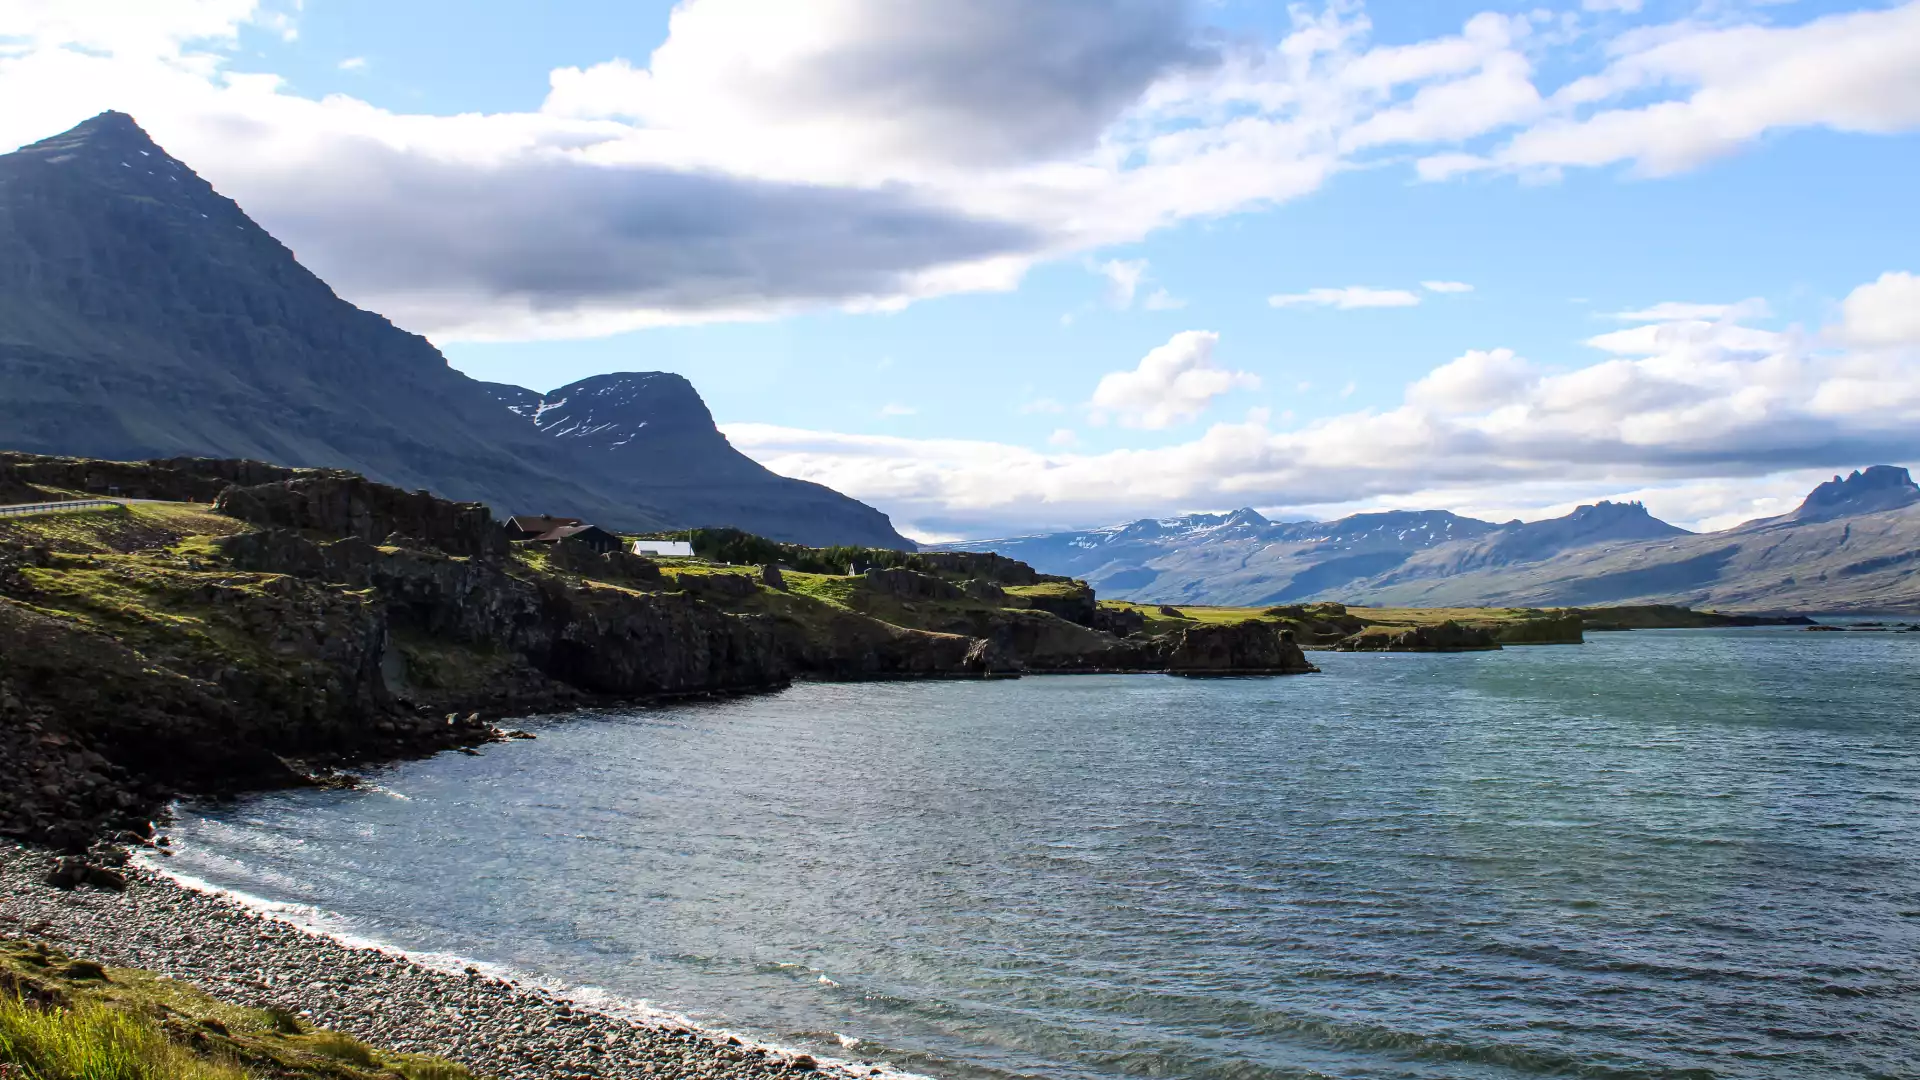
[492, 1026]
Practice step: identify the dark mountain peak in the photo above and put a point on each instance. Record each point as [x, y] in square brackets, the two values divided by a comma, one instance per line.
[1246, 518]
[1880, 487]
[1608, 513]
[653, 397]
[1607, 520]
[116, 151]
[617, 410]
[110, 128]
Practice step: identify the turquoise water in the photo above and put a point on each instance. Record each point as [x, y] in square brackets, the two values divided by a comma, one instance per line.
[1671, 854]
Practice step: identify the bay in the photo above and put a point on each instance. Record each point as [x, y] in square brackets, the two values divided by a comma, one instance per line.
[1660, 854]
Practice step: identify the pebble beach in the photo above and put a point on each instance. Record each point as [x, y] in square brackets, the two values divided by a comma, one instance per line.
[495, 1027]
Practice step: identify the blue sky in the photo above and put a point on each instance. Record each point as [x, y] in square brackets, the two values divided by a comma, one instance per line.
[1029, 268]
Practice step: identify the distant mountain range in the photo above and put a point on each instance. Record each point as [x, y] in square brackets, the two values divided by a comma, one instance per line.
[143, 314]
[1853, 545]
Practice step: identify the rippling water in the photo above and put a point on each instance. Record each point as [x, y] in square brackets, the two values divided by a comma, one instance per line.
[1673, 854]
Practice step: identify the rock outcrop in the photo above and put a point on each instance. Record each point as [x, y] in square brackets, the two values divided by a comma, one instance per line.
[180, 479]
[344, 505]
[1447, 636]
[912, 585]
[1246, 648]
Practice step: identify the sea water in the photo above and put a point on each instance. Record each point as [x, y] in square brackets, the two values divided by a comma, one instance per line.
[1660, 854]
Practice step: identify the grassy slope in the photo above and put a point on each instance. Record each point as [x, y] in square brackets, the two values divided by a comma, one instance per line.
[145, 575]
[68, 1019]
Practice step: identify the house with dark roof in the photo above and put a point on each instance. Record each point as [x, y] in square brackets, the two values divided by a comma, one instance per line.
[532, 526]
[593, 536]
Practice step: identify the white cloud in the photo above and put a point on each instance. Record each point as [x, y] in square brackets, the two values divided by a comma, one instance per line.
[1123, 280]
[1700, 404]
[893, 408]
[770, 158]
[1064, 437]
[1162, 300]
[353, 63]
[1626, 6]
[1674, 311]
[1173, 384]
[925, 81]
[1477, 382]
[1350, 298]
[132, 29]
[1446, 286]
[1883, 312]
[1719, 87]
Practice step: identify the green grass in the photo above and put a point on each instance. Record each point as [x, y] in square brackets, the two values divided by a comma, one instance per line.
[62, 1019]
[121, 529]
[1047, 588]
[94, 1042]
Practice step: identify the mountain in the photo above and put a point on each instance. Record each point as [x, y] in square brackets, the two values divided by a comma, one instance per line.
[143, 314]
[1853, 545]
[1238, 558]
[648, 436]
[1881, 487]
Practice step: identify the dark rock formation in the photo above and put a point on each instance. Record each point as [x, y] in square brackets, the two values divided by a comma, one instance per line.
[1880, 487]
[1447, 636]
[912, 585]
[1120, 622]
[983, 565]
[1545, 628]
[344, 505]
[1247, 648]
[1074, 603]
[198, 480]
[575, 557]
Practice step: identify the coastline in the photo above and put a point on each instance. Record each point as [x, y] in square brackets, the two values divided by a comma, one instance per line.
[507, 1029]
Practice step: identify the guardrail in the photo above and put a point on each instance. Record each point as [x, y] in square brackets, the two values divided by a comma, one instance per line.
[23, 509]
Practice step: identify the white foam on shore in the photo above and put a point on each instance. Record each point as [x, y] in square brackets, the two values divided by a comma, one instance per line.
[326, 925]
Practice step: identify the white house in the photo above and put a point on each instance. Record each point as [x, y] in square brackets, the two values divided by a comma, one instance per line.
[662, 547]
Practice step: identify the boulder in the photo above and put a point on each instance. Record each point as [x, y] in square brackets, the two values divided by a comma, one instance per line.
[772, 578]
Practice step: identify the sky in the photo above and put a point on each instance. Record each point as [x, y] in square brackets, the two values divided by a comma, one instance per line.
[1014, 265]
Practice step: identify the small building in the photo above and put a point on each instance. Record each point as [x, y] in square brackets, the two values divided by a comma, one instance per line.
[593, 536]
[663, 547]
[534, 526]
